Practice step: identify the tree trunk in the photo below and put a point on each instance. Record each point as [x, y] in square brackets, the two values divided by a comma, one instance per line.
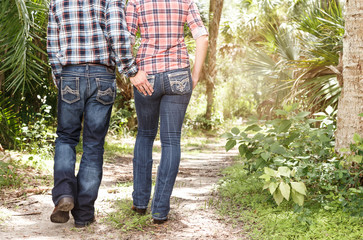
[351, 99]
[215, 13]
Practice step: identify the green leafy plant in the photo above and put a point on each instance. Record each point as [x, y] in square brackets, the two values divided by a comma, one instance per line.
[9, 124]
[38, 137]
[294, 151]
[281, 185]
[8, 175]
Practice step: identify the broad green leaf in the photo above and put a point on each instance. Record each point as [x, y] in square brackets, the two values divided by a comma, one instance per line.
[226, 135]
[258, 136]
[235, 131]
[270, 171]
[288, 108]
[266, 177]
[284, 171]
[284, 126]
[265, 155]
[293, 172]
[357, 139]
[357, 158]
[323, 138]
[272, 187]
[278, 197]
[242, 149]
[299, 187]
[249, 154]
[230, 144]
[301, 115]
[276, 148]
[260, 163]
[280, 112]
[360, 115]
[285, 190]
[253, 127]
[266, 185]
[297, 197]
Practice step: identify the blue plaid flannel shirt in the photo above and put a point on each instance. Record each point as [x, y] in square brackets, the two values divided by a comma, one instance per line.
[89, 31]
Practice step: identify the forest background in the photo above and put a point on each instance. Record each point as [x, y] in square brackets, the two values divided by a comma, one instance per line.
[274, 73]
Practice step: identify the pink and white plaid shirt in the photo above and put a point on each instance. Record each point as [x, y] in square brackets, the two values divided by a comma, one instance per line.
[161, 24]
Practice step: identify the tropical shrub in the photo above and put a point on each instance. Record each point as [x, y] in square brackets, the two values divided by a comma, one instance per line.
[295, 151]
[38, 137]
[9, 124]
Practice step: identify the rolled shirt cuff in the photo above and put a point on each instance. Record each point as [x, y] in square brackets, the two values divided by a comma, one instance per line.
[131, 71]
[199, 31]
[56, 79]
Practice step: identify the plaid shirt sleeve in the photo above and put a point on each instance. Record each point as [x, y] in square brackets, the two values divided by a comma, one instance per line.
[195, 22]
[53, 47]
[132, 19]
[120, 38]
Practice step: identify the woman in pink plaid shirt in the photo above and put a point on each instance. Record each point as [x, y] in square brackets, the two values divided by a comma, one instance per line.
[163, 56]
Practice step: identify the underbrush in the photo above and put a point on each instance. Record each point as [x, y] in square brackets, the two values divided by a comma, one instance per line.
[255, 212]
[301, 188]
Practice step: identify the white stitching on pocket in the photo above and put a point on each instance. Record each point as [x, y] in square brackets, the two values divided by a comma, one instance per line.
[107, 96]
[68, 91]
[179, 82]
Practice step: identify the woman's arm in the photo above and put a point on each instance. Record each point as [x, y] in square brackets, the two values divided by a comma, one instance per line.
[200, 54]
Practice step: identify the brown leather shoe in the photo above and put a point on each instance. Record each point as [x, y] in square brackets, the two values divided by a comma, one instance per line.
[86, 224]
[156, 221]
[138, 210]
[60, 213]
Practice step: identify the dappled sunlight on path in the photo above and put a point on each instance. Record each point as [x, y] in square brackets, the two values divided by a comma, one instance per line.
[190, 217]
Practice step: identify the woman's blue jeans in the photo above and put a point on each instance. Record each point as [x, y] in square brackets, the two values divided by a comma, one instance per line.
[169, 101]
[86, 92]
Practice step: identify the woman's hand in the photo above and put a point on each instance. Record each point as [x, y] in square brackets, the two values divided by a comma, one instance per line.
[141, 83]
[195, 80]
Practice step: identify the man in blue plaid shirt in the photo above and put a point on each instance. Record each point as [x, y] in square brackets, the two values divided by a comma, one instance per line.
[87, 39]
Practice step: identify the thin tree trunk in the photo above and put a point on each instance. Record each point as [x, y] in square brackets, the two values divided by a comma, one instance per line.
[215, 13]
[351, 99]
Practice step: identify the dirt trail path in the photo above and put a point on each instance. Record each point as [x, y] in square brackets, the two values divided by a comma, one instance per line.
[190, 215]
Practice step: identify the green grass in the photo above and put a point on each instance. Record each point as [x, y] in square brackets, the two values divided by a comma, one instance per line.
[125, 219]
[116, 149]
[9, 178]
[113, 148]
[245, 205]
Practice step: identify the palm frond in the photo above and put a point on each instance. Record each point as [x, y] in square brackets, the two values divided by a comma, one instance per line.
[22, 26]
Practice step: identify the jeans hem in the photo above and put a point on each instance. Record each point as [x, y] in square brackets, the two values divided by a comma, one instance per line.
[159, 218]
[84, 223]
[140, 207]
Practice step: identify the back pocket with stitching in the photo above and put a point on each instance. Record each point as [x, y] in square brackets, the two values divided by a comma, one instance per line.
[70, 89]
[106, 90]
[179, 82]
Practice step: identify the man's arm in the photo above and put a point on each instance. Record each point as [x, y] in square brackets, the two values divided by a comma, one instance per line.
[120, 43]
[132, 19]
[53, 46]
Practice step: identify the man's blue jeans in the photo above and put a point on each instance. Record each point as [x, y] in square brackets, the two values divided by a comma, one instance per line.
[172, 92]
[86, 92]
